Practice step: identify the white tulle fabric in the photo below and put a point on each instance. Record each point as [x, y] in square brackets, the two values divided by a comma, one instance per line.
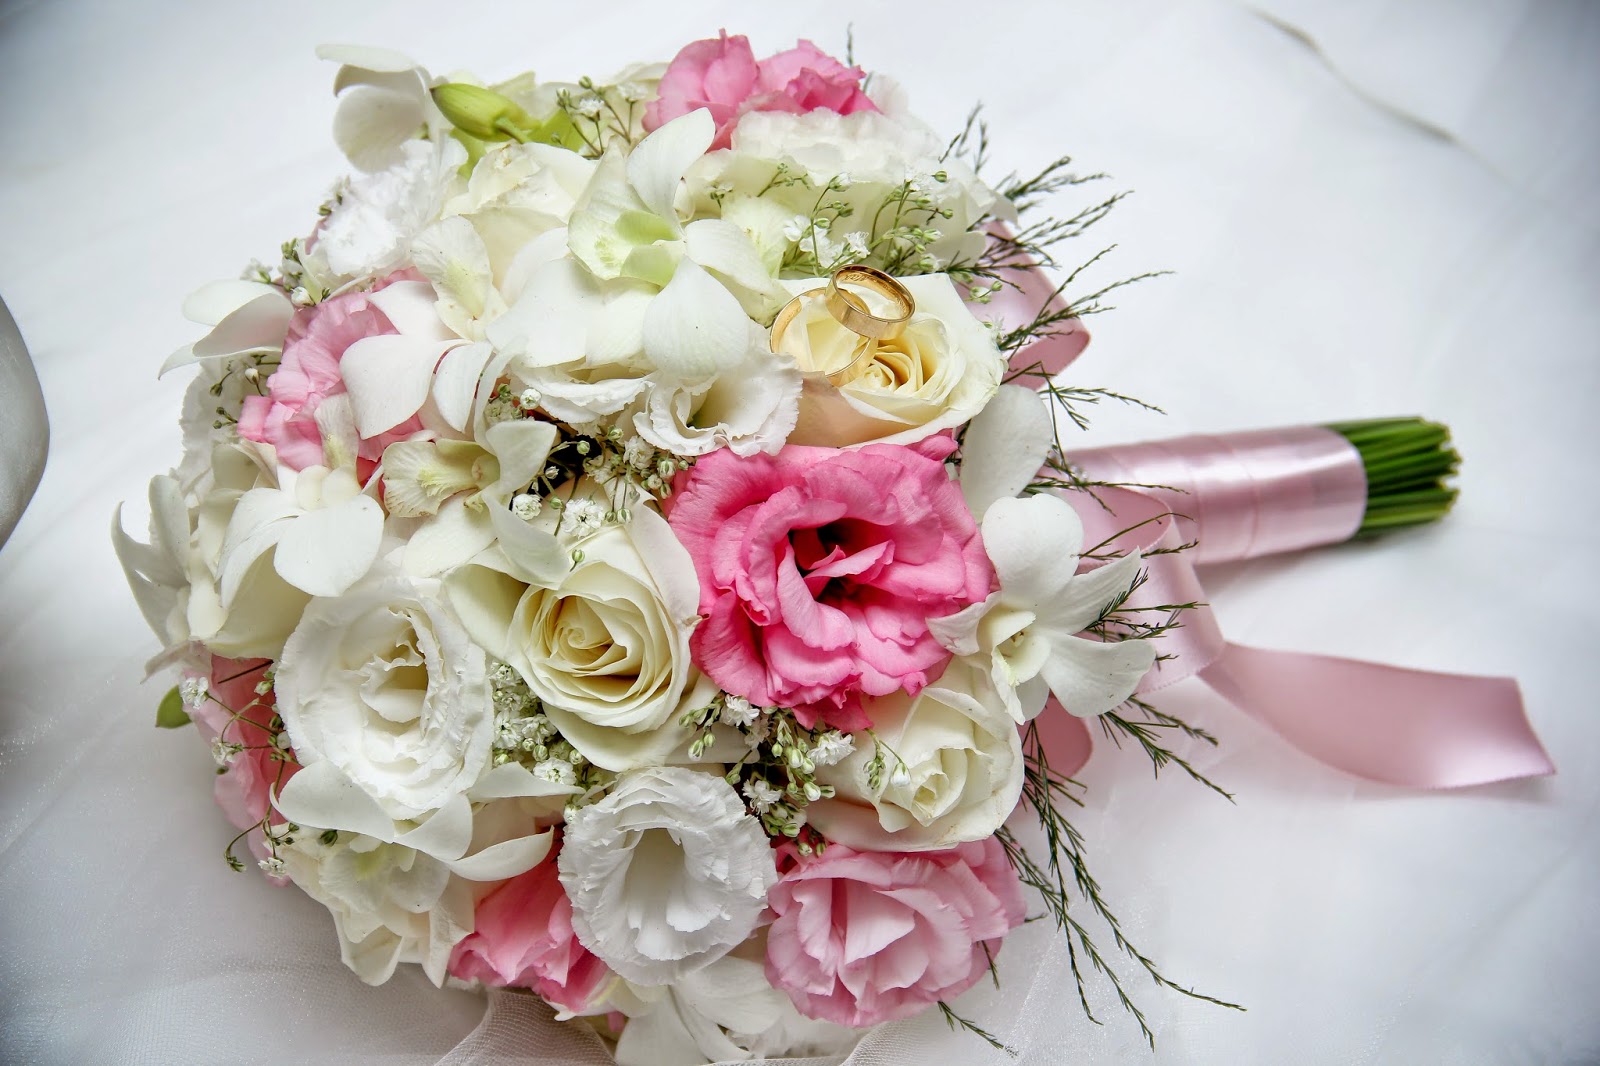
[1400, 222]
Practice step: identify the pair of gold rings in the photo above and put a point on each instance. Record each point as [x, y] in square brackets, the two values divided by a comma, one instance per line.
[852, 312]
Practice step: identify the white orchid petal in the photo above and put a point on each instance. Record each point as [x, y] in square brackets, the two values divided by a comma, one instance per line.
[446, 834]
[695, 327]
[521, 446]
[726, 251]
[1034, 544]
[659, 162]
[1005, 446]
[452, 256]
[214, 301]
[321, 795]
[1090, 593]
[388, 379]
[505, 859]
[549, 323]
[1090, 677]
[959, 632]
[257, 326]
[546, 248]
[448, 540]
[512, 780]
[455, 383]
[409, 307]
[373, 121]
[538, 556]
[361, 57]
[325, 551]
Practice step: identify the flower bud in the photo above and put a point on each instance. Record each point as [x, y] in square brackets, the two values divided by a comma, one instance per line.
[481, 113]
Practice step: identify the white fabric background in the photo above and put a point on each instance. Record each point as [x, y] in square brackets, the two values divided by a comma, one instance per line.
[1371, 207]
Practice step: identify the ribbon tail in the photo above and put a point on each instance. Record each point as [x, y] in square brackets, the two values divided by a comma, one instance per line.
[1385, 723]
[1063, 738]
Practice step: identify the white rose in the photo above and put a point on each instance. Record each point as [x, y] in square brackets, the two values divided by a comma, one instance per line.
[936, 375]
[385, 684]
[605, 644]
[952, 770]
[666, 874]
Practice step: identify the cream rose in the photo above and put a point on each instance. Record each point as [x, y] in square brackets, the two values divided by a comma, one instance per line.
[951, 771]
[936, 375]
[385, 684]
[605, 646]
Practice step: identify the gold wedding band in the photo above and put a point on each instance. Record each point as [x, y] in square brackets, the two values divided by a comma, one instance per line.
[851, 312]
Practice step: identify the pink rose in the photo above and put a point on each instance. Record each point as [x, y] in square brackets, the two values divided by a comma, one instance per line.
[721, 74]
[234, 713]
[309, 374]
[863, 937]
[819, 570]
[523, 936]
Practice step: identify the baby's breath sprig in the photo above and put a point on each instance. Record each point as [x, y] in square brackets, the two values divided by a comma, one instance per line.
[526, 735]
[274, 741]
[777, 776]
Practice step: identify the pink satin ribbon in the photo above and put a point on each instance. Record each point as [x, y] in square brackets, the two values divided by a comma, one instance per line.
[1024, 291]
[1384, 723]
[1252, 493]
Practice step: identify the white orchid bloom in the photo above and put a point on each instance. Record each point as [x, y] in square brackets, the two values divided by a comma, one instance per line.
[709, 277]
[1027, 635]
[383, 102]
[392, 377]
[247, 317]
[322, 530]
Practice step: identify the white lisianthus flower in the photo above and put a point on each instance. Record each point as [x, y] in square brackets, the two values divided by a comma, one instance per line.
[950, 771]
[940, 372]
[666, 874]
[726, 1012]
[750, 408]
[604, 643]
[385, 684]
[369, 231]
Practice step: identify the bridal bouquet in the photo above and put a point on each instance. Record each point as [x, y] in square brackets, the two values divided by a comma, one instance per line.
[624, 551]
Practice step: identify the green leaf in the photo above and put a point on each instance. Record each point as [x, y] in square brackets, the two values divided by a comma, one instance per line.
[170, 714]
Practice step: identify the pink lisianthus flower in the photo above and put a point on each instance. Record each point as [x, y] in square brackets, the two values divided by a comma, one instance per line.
[722, 75]
[523, 936]
[233, 715]
[863, 937]
[286, 417]
[819, 570]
